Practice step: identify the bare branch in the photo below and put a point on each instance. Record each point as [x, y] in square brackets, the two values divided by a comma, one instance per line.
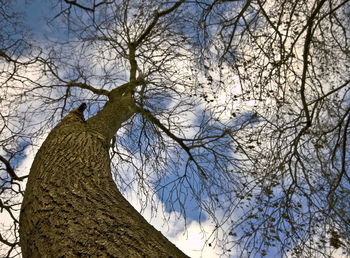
[156, 17]
[87, 87]
[10, 170]
[308, 39]
[89, 9]
[180, 141]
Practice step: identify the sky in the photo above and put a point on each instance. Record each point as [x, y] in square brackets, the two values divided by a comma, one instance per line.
[34, 11]
[190, 239]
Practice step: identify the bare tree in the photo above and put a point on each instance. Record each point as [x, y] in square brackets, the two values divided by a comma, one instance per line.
[239, 109]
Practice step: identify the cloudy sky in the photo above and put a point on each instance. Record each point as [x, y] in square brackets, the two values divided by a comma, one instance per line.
[191, 236]
[195, 239]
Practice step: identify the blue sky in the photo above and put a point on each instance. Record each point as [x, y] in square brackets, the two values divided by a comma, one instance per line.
[34, 11]
[34, 18]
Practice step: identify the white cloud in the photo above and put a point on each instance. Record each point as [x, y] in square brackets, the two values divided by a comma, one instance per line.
[192, 238]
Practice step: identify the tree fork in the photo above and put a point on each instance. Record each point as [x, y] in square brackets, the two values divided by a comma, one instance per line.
[72, 207]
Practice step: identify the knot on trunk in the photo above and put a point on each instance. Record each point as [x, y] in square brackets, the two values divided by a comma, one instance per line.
[79, 111]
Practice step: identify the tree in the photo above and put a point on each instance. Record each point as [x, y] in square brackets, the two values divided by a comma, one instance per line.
[72, 207]
[239, 108]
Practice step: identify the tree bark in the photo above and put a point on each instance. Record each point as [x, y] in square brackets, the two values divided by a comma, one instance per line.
[72, 207]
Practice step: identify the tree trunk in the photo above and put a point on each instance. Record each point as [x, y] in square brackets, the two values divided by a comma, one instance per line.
[71, 206]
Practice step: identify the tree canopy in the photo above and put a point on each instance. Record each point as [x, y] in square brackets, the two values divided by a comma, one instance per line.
[242, 117]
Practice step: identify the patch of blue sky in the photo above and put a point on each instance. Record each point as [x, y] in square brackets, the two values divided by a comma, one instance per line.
[20, 155]
[50, 20]
[216, 159]
[176, 195]
[16, 156]
[33, 14]
[245, 118]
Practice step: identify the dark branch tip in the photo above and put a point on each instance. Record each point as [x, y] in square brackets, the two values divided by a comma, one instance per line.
[82, 107]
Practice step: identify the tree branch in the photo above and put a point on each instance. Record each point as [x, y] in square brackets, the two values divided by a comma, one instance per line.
[148, 115]
[88, 87]
[89, 9]
[307, 43]
[157, 15]
[4, 241]
[10, 170]
[330, 92]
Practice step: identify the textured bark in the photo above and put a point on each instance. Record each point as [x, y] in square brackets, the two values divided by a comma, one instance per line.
[72, 207]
